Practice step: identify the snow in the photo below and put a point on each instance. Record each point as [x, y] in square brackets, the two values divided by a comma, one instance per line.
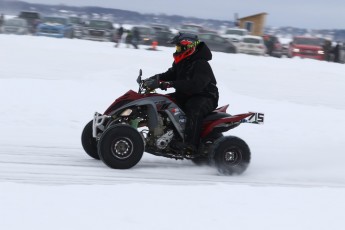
[50, 88]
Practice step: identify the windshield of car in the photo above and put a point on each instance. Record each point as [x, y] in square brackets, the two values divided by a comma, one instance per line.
[100, 24]
[204, 36]
[14, 22]
[75, 20]
[251, 40]
[164, 35]
[32, 15]
[308, 41]
[191, 28]
[270, 38]
[145, 31]
[235, 32]
[58, 20]
[160, 28]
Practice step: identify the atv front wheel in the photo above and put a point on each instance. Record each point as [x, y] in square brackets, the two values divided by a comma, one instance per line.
[89, 142]
[121, 146]
[231, 155]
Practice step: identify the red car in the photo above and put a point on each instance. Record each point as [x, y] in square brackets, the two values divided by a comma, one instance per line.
[307, 47]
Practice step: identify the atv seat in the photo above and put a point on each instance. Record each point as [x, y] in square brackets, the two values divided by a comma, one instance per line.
[216, 115]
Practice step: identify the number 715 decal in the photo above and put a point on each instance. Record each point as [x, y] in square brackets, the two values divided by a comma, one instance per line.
[256, 118]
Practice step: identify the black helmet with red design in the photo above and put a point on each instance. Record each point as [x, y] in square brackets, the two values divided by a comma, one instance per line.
[185, 45]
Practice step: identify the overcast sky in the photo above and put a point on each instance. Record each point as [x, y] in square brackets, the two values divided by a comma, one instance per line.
[312, 14]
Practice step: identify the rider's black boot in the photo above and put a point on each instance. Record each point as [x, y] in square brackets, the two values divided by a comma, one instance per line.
[185, 148]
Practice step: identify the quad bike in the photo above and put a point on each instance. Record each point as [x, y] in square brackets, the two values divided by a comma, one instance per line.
[150, 122]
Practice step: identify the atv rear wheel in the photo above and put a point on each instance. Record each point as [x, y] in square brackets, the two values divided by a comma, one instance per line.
[89, 142]
[231, 155]
[121, 146]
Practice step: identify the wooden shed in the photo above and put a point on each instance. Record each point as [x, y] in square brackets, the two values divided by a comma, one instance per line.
[254, 24]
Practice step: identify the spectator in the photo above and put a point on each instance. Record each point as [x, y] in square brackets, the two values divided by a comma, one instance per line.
[336, 52]
[132, 38]
[269, 44]
[129, 37]
[135, 38]
[327, 48]
[2, 19]
[118, 36]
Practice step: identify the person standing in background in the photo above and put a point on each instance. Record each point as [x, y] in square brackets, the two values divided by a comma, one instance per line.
[118, 36]
[135, 38]
[336, 52]
[2, 19]
[327, 48]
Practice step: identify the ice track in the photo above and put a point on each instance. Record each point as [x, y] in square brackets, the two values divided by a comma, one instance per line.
[52, 165]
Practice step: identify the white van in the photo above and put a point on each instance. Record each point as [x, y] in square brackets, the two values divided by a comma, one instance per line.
[235, 35]
[252, 45]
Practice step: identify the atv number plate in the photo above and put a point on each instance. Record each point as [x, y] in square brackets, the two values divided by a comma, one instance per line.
[256, 118]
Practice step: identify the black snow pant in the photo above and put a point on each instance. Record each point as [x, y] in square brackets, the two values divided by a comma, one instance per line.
[196, 108]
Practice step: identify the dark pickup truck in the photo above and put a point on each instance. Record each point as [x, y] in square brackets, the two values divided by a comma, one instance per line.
[33, 18]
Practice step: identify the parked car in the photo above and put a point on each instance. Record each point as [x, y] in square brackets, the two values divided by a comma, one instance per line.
[285, 49]
[15, 26]
[191, 28]
[32, 18]
[252, 45]
[160, 27]
[58, 27]
[235, 35]
[163, 34]
[99, 30]
[194, 29]
[78, 25]
[163, 38]
[273, 46]
[217, 43]
[307, 47]
[147, 34]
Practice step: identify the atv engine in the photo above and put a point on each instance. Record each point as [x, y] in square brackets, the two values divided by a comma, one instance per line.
[164, 140]
[162, 134]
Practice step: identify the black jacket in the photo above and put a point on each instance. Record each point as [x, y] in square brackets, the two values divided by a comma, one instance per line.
[193, 76]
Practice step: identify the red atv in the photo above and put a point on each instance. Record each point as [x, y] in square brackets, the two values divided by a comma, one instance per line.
[149, 122]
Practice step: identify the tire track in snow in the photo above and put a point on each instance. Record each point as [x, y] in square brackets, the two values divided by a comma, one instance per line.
[71, 166]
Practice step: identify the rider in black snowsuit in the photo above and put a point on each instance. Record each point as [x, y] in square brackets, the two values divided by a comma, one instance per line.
[196, 91]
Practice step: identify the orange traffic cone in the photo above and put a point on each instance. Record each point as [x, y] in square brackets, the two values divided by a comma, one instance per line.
[154, 45]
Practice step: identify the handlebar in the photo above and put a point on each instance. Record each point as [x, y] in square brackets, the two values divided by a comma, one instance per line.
[143, 89]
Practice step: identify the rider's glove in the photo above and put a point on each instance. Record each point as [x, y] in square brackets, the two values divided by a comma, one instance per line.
[165, 84]
[152, 82]
[157, 76]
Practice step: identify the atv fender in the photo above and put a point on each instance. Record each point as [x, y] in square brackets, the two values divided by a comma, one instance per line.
[151, 111]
